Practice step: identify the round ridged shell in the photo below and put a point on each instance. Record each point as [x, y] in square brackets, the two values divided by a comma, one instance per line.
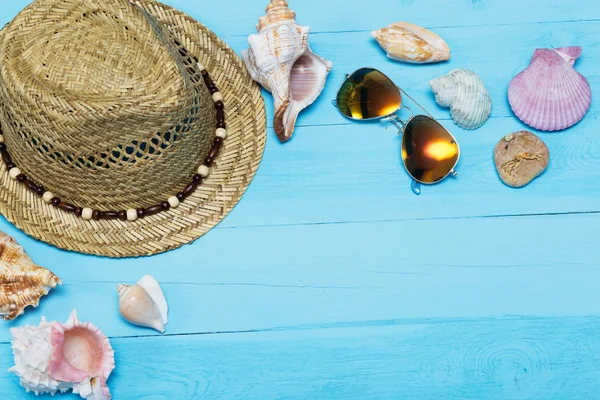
[550, 95]
[464, 92]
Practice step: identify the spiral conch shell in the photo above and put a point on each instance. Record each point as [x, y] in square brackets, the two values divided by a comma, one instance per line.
[464, 92]
[144, 304]
[411, 43]
[22, 283]
[280, 59]
[55, 357]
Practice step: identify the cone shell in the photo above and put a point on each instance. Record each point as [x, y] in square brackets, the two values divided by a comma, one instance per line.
[465, 94]
[22, 283]
[144, 304]
[280, 59]
[550, 95]
[411, 43]
[56, 357]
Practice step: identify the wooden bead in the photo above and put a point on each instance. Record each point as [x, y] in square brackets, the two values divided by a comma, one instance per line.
[55, 201]
[218, 141]
[154, 209]
[123, 215]
[222, 133]
[21, 178]
[189, 189]
[87, 213]
[219, 104]
[220, 115]
[180, 196]
[213, 89]
[141, 213]
[208, 81]
[217, 96]
[30, 185]
[203, 170]
[197, 178]
[173, 201]
[14, 172]
[40, 190]
[2, 146]
[221, 125]
[204, 72]
[96, 215]
[10, 165]
[108, 215]
[208, 161]
[132, 214]
[48, 196]
[66, 206]
[165, 205]
[78, 211]
[214, 151]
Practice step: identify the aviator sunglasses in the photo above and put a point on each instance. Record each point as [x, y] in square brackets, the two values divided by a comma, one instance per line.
[429, 152]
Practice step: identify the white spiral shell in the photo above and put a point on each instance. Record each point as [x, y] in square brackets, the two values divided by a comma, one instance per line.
[464, 92]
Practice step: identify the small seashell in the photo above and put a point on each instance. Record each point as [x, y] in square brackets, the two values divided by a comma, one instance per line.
[550, 95]
[144, 304]
[411, 43]
[464, 92]
[520, 157]
[22, 283]
[280, 59]
[55, 357]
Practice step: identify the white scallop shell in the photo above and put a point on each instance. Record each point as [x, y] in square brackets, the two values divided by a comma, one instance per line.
[464, 92]
[280, 59]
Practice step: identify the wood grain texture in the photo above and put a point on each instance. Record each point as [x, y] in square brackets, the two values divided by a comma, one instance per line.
[508, 358]
[331, 280]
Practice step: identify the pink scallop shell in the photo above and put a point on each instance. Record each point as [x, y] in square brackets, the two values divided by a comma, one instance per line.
[550, 95]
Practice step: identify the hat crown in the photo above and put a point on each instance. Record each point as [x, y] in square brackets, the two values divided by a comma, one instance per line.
[100, 103]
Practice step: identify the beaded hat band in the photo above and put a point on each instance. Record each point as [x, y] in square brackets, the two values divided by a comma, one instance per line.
[213, 150]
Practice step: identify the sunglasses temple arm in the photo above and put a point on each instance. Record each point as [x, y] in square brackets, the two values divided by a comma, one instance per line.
[417, 103]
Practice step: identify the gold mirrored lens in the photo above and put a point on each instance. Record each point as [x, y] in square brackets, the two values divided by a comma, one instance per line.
[368, 94]
[429, 151]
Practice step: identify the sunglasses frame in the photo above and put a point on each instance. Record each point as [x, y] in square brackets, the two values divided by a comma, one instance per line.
[401, 125]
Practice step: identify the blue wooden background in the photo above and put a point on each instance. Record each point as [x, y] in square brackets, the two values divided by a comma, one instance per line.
[331, 280]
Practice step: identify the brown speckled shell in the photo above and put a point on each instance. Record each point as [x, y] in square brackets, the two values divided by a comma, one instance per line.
[22, 283]
[520, 157]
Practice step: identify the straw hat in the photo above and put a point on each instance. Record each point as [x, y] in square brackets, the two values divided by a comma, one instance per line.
[105, 105]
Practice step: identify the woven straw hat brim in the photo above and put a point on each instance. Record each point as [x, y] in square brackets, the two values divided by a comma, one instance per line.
[212, 201]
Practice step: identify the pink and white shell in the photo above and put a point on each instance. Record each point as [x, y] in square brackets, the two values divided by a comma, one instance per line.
[550, 95]
[56, 357]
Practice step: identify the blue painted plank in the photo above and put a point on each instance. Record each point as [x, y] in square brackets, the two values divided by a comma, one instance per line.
[286, 277]
[508, 358]
[239, 17]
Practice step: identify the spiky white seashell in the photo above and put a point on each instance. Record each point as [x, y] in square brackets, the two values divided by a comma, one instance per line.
[280, 59]
[550, 95]
[55, 357]
[464, 92]
[411, 43]
[144, 304]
